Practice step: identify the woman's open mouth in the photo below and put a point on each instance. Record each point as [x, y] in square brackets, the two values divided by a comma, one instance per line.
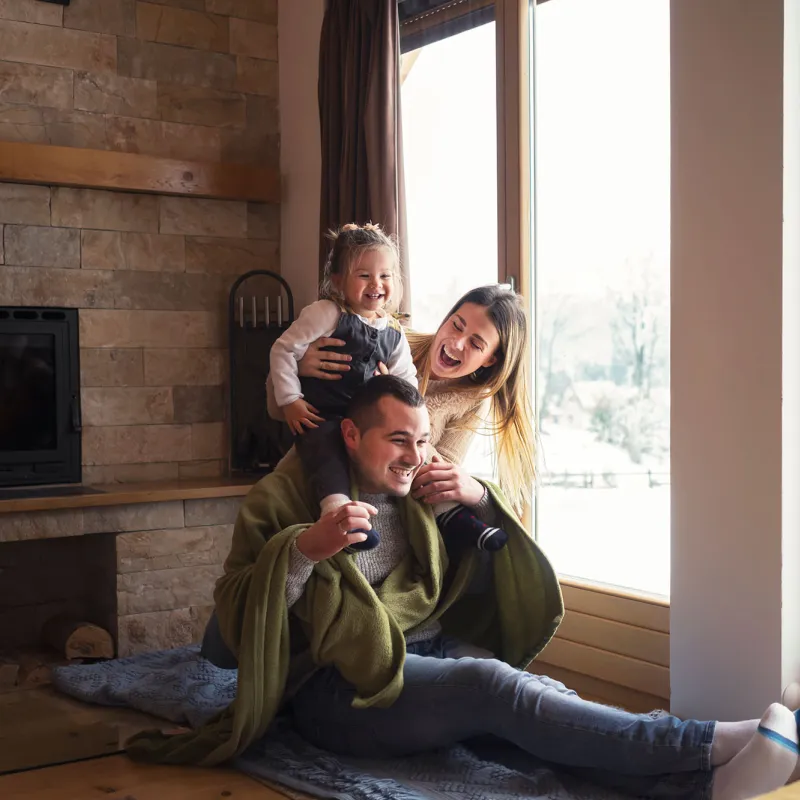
[448, 359]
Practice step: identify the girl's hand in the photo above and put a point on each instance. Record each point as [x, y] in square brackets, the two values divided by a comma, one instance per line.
[330, 535]
[324, 364]
[441, 482]
[300, 415]
[382, 369]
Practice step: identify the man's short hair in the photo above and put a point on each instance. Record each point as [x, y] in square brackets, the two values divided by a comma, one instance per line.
[363, 407]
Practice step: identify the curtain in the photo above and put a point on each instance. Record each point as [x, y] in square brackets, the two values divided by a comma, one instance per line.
[360, 122]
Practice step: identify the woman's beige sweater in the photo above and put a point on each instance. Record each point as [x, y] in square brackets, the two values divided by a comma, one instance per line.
[455, 416]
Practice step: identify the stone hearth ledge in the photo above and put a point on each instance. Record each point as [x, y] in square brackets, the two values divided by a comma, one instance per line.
[121, 494]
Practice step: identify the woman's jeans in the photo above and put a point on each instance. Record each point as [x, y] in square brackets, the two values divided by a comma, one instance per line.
[448, 698]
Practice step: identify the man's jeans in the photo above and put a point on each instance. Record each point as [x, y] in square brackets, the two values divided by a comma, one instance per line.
[448, 698]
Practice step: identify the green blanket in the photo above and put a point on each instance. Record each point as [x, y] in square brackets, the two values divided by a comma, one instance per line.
[342, 620]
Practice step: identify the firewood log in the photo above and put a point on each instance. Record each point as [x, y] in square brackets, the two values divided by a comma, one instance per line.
[76, 639]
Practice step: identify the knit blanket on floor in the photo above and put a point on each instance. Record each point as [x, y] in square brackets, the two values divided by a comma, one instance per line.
[180, 686]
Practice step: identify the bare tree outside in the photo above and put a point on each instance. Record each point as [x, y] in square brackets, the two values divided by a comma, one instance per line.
[639, 328]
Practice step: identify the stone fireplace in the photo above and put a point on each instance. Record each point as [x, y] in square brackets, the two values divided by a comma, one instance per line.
[139, 177]
[144, 571]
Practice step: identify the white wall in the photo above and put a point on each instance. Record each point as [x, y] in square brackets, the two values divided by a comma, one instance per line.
[791, 345]
[727, 648]
[299, 26]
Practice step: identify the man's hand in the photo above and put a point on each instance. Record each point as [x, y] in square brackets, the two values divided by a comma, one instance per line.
[330, 535]
[441, 482]
[300, 415]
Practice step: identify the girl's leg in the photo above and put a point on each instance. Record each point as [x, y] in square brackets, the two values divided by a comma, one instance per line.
[324, 460]
[326, 465]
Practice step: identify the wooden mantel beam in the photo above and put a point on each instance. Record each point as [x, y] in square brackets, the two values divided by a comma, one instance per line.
[24, 162]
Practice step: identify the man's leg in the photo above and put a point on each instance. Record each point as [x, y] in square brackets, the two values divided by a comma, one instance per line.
[448, 700]
[214, 648]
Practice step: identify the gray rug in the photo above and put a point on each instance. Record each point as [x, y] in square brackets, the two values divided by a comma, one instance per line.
[179, 686]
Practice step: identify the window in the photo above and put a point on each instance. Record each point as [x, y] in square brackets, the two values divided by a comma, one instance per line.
[450, 161]
[601, 239]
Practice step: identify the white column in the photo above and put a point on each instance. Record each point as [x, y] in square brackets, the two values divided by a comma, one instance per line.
[732, 641]
[299, 28]
[790, 665]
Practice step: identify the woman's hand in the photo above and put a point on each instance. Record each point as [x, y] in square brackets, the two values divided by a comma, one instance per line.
[329, 535]
[442, 482]
[319, 363]
[300, 415]
[381, 369]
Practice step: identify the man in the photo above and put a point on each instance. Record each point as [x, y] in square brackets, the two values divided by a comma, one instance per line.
[360, 648]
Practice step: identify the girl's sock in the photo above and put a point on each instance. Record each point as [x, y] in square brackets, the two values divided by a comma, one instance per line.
[370, 543]
[334, 501]
[765, 763]
[460, 522]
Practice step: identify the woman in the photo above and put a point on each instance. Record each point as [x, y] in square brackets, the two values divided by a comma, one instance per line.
[472, 372]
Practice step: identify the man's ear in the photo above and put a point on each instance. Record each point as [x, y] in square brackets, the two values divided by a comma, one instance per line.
[351, 434]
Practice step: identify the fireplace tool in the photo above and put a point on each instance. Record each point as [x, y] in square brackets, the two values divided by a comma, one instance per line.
[258, 313]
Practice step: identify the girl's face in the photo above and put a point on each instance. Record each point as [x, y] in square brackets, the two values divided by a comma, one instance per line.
[466, 341]
[368, 286]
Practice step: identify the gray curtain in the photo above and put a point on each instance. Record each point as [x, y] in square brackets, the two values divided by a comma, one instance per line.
[359, 106]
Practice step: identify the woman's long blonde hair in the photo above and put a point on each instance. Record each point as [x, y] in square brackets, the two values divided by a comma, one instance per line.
[505, 384]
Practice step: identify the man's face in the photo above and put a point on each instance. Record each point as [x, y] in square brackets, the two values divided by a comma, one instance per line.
[387, 455]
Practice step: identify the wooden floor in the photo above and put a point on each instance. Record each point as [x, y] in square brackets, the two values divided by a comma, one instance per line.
[118, 778]
[55, 748]
[787, 793]
[39, 727]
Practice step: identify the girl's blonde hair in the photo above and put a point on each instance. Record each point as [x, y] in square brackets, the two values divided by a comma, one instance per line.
[350, 242]
[504, 384]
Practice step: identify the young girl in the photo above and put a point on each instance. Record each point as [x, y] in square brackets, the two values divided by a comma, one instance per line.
[360, 289]
[360, 286]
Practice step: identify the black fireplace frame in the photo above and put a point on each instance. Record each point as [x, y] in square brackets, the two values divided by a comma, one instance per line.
[61, 464]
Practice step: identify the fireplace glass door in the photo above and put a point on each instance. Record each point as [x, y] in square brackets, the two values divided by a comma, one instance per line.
[39, 396]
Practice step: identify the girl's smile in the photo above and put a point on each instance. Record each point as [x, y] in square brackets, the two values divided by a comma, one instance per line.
[367, 288]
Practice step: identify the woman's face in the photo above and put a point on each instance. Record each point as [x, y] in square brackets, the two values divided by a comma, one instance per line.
[466, 341]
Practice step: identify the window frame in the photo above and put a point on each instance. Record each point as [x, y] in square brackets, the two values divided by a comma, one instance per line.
[613, 643]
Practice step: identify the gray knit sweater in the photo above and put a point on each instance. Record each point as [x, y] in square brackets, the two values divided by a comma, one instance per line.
[378, 563]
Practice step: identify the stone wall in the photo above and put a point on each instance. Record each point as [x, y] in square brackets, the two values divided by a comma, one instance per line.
[194, 79]
[166, 557]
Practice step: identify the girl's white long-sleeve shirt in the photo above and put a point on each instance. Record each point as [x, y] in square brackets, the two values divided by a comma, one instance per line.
[321, 318]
